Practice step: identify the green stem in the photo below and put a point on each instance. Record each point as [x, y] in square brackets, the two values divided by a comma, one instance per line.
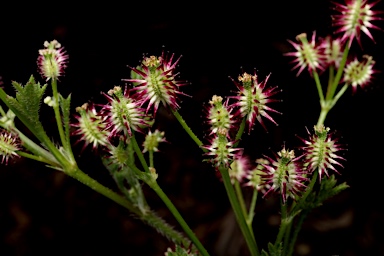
[37, 158]
[151, 164]
[56, 108]
[252, 246]
[139, 153]
[323, 115]
[37, 150]
[318, 85]
[339, 94]
[307, 192]
[283, 224]
[287, 236]
[296, 231]
[240, 132]
[93, 184]
[240, 197]
[252, 207]
[186, 128]
[331, 77]
[332, 89]
[178, 217]
[149, 217]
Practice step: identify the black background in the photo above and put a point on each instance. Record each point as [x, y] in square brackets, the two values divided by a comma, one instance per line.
[44, 212]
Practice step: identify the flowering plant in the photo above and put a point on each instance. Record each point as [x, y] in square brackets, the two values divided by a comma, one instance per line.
[124, 133]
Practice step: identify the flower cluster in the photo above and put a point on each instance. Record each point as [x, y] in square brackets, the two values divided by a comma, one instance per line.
[287, 174]
[318, 54]
[249, 105]
[154, 82]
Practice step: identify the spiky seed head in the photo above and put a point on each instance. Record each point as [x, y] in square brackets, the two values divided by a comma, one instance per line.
[252, 100]
[359, 73]
[320, 151]
[9, 145]
[284, 175]
[354, 17]
[52, 60]
[124, 113]
[155, 82]
[308, 55]
[90, 126]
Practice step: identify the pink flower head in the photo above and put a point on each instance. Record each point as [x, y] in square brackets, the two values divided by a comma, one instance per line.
[359, 73]
[320, 152]
[9, 144]
[219, 114]
[332, 50]
[156, 83]
[124, 113]
[307, 55]
[90, 126]
[254, 176]
[52, 60]
[284, 175]
[355, 16]
[239, 168]
[252, 99]
[221, 149]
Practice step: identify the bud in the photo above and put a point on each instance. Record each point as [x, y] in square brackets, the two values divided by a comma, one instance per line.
[152, 141]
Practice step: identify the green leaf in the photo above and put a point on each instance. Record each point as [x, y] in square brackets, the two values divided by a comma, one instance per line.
[26, 104]
[273, 250]
[328, 189]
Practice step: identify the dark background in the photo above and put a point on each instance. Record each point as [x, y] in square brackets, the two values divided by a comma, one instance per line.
[44, 212]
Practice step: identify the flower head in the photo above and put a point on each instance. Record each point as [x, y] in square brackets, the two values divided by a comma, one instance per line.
[152, 141]
[156, 82]
[9, 144]
[239, 168]
[124, 113]
[221, 149]
[355, 16]
[254, 176]
[332, 50]
[219, 114]
[320, 152]
[359, 72]
[52, 60]
[90, 126]
[284, 174]
[252, 99]
[307, 54]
